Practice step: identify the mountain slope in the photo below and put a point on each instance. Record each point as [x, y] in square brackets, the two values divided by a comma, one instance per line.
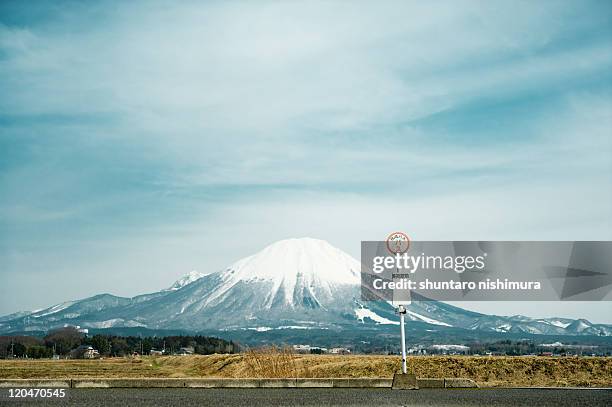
[297, 284]
[185, 280]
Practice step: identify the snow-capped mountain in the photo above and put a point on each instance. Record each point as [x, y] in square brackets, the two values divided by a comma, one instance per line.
[299, 284]
[185, 280]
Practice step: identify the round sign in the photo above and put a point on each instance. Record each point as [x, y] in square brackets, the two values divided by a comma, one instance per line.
[398, 242]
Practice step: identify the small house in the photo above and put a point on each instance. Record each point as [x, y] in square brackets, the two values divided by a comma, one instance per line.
[84, 352]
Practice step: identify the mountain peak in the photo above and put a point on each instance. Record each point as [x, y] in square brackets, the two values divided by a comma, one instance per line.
[289, 259]
[185, 280]
[294, 272]
[293, 241]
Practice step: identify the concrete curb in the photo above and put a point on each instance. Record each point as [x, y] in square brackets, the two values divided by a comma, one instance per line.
[277, 383]
[363, 382]
[218, 382]
[430, 383]
[213, 383]
[38, 383]
[127, 383]
[314, 382]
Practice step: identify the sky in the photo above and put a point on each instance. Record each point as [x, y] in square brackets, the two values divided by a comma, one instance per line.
[142, 140]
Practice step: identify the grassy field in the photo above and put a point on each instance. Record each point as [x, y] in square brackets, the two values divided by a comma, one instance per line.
[486, 371]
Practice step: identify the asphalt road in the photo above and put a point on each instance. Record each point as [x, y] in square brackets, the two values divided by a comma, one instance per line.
[322, 397]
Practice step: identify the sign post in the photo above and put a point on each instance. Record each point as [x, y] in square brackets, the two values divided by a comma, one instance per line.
[398, 243]
[402, 311]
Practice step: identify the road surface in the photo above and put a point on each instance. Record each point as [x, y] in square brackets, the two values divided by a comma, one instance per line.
[321, 397]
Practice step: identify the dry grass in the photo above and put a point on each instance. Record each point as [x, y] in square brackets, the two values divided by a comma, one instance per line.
[274, 362]
[279, 362]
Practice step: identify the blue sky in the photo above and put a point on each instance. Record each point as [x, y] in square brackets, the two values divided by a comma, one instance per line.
[141, 140]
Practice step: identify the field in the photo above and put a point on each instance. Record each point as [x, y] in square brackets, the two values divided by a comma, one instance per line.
[486, 371]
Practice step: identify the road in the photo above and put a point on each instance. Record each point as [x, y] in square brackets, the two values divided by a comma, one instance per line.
[320, 397]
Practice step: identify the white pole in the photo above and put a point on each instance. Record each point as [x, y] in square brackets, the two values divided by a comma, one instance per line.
[402, 311]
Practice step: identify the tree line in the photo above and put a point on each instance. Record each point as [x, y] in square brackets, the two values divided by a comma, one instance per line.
[62, 341]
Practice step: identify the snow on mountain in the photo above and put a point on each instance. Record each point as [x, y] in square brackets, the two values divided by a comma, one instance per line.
[579, 325]
[52, 310]
[286, 283]
[416, 317]
[113, 323]
[15, 315]
[367, 313]
[558, 323]
[295, 269]
[185, 280]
